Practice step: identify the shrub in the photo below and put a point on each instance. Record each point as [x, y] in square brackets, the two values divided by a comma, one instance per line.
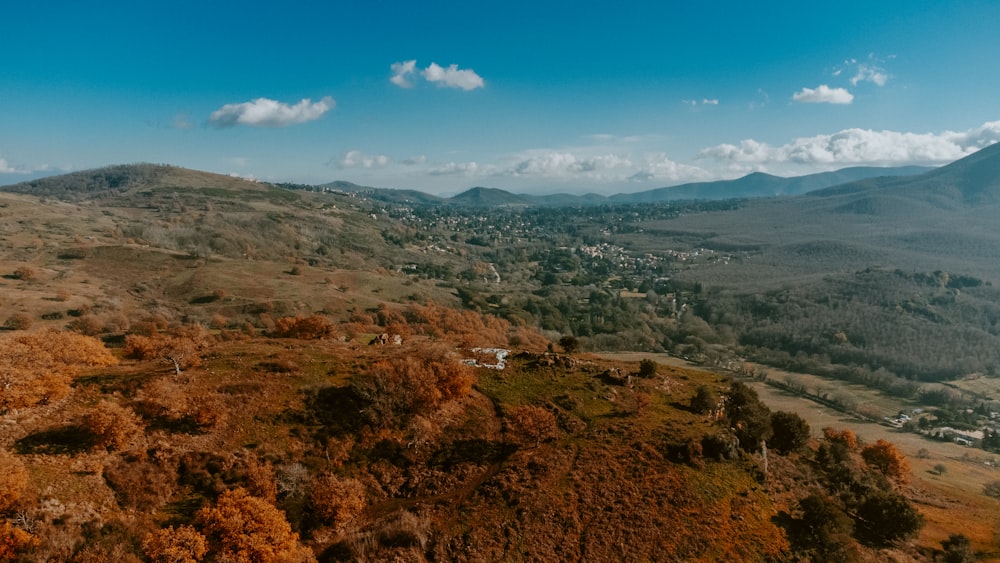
[845, 437]
[647, 368]
[885, 517]
[18, 321]
[957, 549]
[531, 425]
[306, 328]
[183, 544]
[114, 426]
[704, 401]
[240, 527]
[992, 489]
[14, 540]
[13, 479]
[24, 273]
[337, 500]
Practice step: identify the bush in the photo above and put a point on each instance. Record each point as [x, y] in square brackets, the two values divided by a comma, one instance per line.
[647, 368]
[240, 527]
[18, 321]
[24, 273]
[114, 427]
[705, 400]
[13, 479]
[183, 544]
[886, 459]
[532, 425]
[337, 500]
[992, 489]
[306, 328]
[885, 517]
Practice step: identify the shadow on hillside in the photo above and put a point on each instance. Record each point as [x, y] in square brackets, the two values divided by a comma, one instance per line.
[69, 440]
[472, 451]
[338, 409]
[111, 383]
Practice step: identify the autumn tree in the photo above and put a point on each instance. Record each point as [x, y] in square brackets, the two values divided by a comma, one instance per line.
[244, 529]
[13, 479]
[305, 328]
[846, 437]
[114, 426]
[37, 368]
[886, 459]
[531, 425]
[337, 500]
[14, 540]
[791, 432]
[411, 384]
[183, 544]
[180, 351]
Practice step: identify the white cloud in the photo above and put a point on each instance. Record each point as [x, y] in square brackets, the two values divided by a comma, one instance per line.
[704, 102]
[358, 159]
[463, 169]
[823, 95]
[453, 77]
[401, 72]
[263, 112]
[870, 73]
[6, 168]
[708, 102]
[415, 160]
[577, 166]
[852, 147]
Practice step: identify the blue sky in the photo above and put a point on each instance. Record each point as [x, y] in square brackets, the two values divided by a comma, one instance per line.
[532, 97]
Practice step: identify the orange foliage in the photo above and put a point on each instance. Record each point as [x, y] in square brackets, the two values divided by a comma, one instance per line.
[180, 350]
[884, 457]
[845, 437]
[307, 328]
[13, 479]
[532, 425]
[336, 499]
[37, 368]
[245, 529]
[468, 328]
[175, 545]
[13, 540]
[412, 384]
[114, 426]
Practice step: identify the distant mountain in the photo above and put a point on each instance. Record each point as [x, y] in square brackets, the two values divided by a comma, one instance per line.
[119, 180]
[387, 195]
[491, 197]
[759, 184]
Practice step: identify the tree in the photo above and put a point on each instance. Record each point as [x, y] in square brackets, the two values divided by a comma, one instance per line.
[13, 479]
[337, 500]
[183, 544]
[178, 351]
[647, 368]
[884, 517]
[570, 344]
[791, 432]
[37, 368]
[886, 459]
[14, 540]
[846, 437]
[705, 400]
[957, 549]
[245, 529]
[312, 327]
[824, 530]
[749, 417]
[114, 426]
[531, 425]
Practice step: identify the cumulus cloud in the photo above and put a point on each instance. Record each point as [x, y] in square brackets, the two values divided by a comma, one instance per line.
[401, 72]
[358, 159]
[7, 168]
[869, 73]
[858, 147]
[263, 112]
[453, 77]
[823, 95]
